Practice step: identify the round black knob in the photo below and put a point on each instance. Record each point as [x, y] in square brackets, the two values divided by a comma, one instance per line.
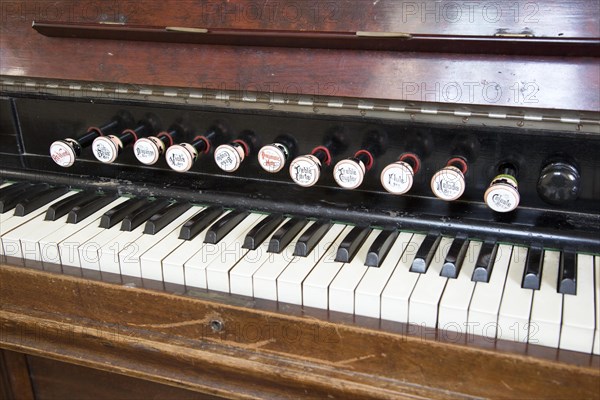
[559, 183]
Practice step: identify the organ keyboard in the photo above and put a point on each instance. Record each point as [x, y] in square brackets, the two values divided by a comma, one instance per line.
[424, 236]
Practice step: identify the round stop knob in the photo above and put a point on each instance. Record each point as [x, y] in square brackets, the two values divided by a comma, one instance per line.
[148, 150]
[448, 183]
[107, 148]
[559, 183]
[502, 195]
[229, 157]
[349, 173]
[305, 170]
[64, 152]
[398, 177]
[181, 157]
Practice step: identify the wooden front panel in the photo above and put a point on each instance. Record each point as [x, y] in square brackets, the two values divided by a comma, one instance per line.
[531, 82]
[169, 339]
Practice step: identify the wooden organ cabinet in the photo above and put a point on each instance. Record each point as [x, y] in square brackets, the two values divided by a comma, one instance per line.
[299, 199]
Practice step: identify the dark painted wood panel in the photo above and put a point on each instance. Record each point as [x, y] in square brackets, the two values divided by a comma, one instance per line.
[55, 380]
[15, 382]
[533, 82]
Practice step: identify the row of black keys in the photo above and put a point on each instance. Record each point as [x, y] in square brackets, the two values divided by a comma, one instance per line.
[25, 197]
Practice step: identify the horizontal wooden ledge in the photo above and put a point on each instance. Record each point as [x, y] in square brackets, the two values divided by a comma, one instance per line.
[167, 338]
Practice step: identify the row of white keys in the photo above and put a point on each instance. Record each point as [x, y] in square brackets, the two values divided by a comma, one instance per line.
[130, 256]
[454, 305]
[367, 297]
[578, 322]
[49, 245]
[172, 264]
[289, 282]
[195, 267]
[23, 241]
[217, 272]
[515, 308]
[109, 252]
[546, 310]
[596, 347]
[485, 304]
[424, 300]
[315, 287]
[14, 222]
[151, 262]
[240, 276]
[341, 290]
[396, 295]
[264, 280]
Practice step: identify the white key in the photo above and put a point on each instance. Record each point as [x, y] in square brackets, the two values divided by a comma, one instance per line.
[240, 276]
[546, 310]
[578, 324]
[129, 257]
[289, 282]
[49, 245]
[395, 296]
[485, 304]
[515, 308]
[110, 253]
[151, 262]
[89, 251]
[367, 297]
[315, 286]
[13, 223]
[424, 300]
[217, 273]
[341, 290]
[454, 306]
[596, 349]
[172, 265]
[195, 267]
[264, 280]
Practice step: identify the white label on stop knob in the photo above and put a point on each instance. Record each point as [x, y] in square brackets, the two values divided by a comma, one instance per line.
[106, 148]
[271, 158]
[181, 157]
[448, 183]
[349, 174]
[502, 197]
[305, 170]
[148, 150]
[397, 178]
[229, 157]
[62, 153]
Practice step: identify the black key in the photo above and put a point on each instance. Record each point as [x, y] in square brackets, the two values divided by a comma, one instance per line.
[286, 234]
[82, 211]
[567, 276]
[351, 244]
[199, 222]
[533, 269]
[425, 253]
[60, 208]
[142, 215]
[33, 203]
[380, 248]
[311, 237]
[165, 217]
[485, 262]
[222, 227]
[259, 233]
[118, 213]
[10, 200]
[15, 187]
[455, 257]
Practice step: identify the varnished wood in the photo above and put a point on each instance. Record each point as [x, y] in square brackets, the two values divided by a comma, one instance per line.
[168, 339]
[14, 376]
[559, 82]
[59, 380]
